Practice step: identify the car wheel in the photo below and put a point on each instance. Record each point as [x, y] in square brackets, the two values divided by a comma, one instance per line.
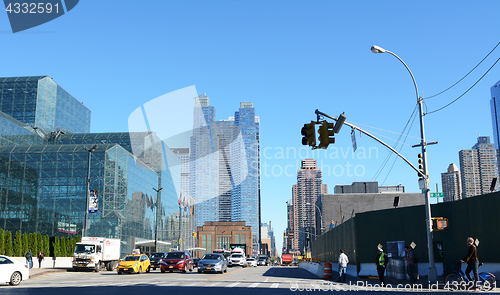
[199, 271]
[225, 270]
[15, 279]
[120, 272]
[148, 269]
[139, 270]
[162, 270]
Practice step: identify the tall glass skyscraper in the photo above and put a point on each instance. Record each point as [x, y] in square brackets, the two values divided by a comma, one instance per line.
[495, 118]
[225, 166]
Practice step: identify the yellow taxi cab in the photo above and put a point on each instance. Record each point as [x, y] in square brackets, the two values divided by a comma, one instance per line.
[135, 263]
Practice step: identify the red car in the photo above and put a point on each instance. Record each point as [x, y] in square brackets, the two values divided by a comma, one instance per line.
[179, 260]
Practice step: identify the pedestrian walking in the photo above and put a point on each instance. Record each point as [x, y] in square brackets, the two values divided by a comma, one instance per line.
[410, 263]
[381, 263]
[29, 259]
[40, 257]
[472, 261]
[343, 261]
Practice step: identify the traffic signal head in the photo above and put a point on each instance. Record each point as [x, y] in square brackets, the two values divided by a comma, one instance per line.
[326, 134]
[421, 166]
[308, 133]
[339, 123]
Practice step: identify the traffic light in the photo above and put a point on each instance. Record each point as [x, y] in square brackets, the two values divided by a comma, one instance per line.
[325, 131]
[421, 166]
[308, 132]
[339, 123]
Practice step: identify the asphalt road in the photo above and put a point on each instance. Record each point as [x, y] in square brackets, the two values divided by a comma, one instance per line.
[260, 280]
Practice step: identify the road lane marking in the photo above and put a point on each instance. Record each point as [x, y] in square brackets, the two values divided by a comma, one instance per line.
[253, 285]
[214, 284]
[232, 285]
[266, 280]
[275, 285]
[208, 280]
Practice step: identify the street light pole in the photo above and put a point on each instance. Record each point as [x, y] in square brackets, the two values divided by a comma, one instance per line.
[93, 148]
[156, 219]
[430, 247]
[320, 219]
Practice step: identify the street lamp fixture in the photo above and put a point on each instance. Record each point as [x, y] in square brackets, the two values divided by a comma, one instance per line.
[92, 149]
[320, 218]
[425, 187]
[156, 219]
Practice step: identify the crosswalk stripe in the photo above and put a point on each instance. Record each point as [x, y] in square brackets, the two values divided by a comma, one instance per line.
[214, 284]
[232, 285]
[275, 285]
[253, 285]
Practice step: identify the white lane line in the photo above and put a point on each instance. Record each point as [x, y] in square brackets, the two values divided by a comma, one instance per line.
[232, 285]
[275, 285]
[266, 280]
[253, 285]
[214, 284]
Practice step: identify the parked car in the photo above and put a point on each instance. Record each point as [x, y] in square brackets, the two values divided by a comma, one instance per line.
[135, 263]
[262, 262]
[12, 271]
[195, 262]
[212, 262]
[155, 259]
[178, 260]
[251, 262]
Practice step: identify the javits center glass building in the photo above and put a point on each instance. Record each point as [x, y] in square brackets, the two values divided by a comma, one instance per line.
[43, 175]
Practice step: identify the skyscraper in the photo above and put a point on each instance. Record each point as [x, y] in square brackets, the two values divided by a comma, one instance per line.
[495, 117]
[225, 161]
[452, 184]
[478, 167]
[304, 194]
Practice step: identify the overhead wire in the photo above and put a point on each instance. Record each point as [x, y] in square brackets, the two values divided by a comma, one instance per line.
[465, 75]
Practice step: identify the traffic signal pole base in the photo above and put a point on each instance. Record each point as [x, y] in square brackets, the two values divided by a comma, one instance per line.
[432, 277]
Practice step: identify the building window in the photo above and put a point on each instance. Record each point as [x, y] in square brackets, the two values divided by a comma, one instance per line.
[237, 239]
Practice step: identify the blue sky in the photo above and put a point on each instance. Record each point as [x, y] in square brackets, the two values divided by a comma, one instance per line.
[289, 58]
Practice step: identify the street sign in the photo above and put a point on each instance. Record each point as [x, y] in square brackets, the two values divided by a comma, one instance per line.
[437, 195]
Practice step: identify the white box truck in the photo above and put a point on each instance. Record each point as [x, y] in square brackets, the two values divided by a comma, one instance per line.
[96, 253]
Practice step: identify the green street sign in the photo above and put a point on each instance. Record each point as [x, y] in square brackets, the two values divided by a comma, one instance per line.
[437, 195]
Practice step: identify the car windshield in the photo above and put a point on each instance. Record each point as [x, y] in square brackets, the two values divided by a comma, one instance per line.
[237, 256]
[173, 255]
[131, 258]
[157, 255]
[212, 257]
[81, 248]
[250, 259]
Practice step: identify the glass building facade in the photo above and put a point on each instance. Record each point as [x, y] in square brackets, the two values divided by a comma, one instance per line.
[225, 166]
[44, 166]
[42, 103]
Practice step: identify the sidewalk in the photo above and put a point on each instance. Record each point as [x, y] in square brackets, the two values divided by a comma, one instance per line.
[35, 271]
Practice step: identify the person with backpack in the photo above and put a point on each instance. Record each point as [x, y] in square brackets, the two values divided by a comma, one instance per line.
[410, 263]
[40, 257]
[29, 258]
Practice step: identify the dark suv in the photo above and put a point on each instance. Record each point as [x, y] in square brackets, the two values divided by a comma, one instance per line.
[155, 259]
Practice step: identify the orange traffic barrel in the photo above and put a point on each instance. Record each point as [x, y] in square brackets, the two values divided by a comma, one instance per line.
[327, 271]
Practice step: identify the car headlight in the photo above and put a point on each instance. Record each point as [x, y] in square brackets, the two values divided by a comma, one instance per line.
[180, 262]
[136, 264]
[91, 258]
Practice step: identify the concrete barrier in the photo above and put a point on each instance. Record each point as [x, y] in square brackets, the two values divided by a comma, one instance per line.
[49, 262]
[317, 269]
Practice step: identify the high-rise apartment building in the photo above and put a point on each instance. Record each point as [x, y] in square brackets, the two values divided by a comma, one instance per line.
[495, 117]
[452, 184]
[309, 187]
[478, 167]
[225, 166]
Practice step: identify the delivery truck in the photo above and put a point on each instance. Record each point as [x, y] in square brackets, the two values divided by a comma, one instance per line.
[95, 253]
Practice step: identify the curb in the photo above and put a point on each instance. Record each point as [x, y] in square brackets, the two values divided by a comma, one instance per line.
[47, 271]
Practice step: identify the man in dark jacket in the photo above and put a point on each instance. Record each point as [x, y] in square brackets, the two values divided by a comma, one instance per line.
[472, 261]
[381, 263]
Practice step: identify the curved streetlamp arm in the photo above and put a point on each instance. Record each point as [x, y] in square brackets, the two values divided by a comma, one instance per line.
[411, 74]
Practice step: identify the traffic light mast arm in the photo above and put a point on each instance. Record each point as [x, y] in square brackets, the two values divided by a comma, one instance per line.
[380, 141]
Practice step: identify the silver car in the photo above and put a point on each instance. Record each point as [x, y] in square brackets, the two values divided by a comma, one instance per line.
[212, 262]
